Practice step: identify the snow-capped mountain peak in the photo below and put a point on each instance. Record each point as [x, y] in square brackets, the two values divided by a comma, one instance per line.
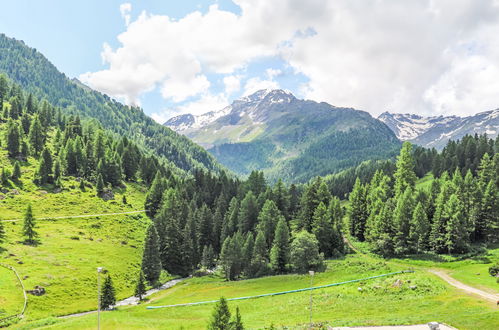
[253, 105]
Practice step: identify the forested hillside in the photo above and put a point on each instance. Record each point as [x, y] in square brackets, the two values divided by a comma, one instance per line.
[287, 138]
[36, 75]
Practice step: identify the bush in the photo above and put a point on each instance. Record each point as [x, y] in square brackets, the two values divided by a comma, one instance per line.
[494, 270]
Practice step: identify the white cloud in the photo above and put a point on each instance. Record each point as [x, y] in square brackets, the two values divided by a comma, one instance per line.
[207, 102]
[428, 56]
[255, 84]
[232, 84]
[179, 91]
[125, 9]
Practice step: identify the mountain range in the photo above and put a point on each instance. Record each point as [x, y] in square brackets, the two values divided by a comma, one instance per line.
[435, 132]
[273, 131]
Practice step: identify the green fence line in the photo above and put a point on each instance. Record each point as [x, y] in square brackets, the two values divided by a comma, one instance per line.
[282, 292]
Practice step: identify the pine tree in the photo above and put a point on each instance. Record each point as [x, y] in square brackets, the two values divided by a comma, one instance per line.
[130, 162]
[99, 186]
[247, 252]
[29, 226]
[309, 202]
[140, 287]
[248, 212]
[108, 294]
[419, 229]
[45, 167]
[487, 223]
[205, 226]
[226, 258]
[154, 196]
[279, 254]
[267, 221]
[5, 177]
[323, 230]
[208, 257]
[151, 262]
[237, 324]
[281, 198]
[36, 136]
[336, 215]
[16, 172]
[404, 175]
[259, 258]
[440, 218]
[357, 211]
[220, 319]
[13, 138]
[402, 218]
[57, 170]
[456, 236]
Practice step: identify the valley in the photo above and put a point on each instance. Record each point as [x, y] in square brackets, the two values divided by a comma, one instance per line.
[301, 214]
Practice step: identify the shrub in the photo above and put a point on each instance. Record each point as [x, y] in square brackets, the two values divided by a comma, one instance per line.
[494, 270]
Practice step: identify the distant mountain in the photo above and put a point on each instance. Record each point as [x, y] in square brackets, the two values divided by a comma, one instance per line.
[34, 72]
[294, 139]
[437, 131]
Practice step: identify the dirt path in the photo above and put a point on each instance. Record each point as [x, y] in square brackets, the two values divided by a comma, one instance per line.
[447, 278]
[131, 300]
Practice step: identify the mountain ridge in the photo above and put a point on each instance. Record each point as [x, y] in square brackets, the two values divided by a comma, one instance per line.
[436, 131]
[274, 131]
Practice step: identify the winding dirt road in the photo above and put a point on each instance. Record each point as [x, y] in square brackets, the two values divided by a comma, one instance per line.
[468, 289]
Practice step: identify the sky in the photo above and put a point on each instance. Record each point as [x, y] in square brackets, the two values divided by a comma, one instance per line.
[430, 57]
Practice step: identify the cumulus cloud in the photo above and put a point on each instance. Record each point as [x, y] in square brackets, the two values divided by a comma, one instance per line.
[433, 56]
[125, 9]
[232, 84]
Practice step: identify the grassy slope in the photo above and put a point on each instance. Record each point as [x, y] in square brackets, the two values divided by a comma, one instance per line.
[65, 261]
[378, 303]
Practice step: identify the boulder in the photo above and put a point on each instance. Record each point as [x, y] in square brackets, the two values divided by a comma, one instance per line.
[37, 291]
[398, 283]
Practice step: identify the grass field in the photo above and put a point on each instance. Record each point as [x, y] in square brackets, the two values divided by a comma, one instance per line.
[379, 302]
[68, 251]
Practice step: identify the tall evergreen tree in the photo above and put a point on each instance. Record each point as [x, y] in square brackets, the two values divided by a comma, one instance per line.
[220, 319]
[357, 210]
[402, 219]
[404, 175]
[279, 254]
[151, 261]
[323, 230]
[248, 212]
[36, 136]
[267, 221]
[108, 294]
[13, 138]
[140, 287]
[29, 226]
[154, 196]
[419, 229]
[456, 236]
[45, 167]
[16, 172]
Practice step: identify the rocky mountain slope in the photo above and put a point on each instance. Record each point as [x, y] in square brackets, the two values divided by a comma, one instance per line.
[437, 131]
[272, 130]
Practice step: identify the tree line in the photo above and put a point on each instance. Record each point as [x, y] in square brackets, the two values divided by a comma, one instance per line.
[397, 218]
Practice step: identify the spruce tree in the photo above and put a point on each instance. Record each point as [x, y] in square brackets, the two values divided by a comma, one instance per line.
[154, 196]
[402, 219]
[279, 254]
[36, 136]
[29, 226]
[336, 215]
[404, 175]
[151, 262]
[16, 172]
[323, 230]
[205, 226]
[45, 167]
[357, 211]
[248, 213]
[259, 258]
[220, 319]
[237, 324]
[140, 287]
[267, 221]
[419, 229]
[108, 294]
[13, 138]
[487, 221]
[247, 252]
[99, 186]
[456, 236]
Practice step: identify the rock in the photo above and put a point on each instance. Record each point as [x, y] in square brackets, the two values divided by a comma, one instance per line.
[14, 192]
[107, 195]
[2, 197]
[57, 190]
[43, 192]
[359, 289]
[397, 284]
[413, 287]
[434, 325]
[25, 277]
[20, 262]
[37, 291]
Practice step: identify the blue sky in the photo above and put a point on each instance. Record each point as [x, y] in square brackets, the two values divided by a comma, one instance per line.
[71, 35]
[172, 57]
